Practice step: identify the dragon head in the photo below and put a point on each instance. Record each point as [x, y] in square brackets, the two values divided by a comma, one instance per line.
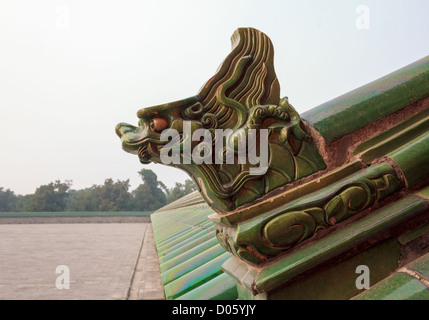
[214, 135]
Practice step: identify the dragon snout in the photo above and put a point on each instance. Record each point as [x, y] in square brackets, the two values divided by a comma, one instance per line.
[132, 137]
[123, 128]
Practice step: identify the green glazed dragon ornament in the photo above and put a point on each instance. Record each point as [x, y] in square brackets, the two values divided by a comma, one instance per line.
[236, 138]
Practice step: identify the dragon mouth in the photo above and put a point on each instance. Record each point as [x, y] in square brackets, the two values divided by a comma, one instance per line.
[133, 138]
[143, 154]
[140, 141]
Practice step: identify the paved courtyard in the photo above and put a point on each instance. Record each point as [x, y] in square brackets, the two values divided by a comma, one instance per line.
[99, 260]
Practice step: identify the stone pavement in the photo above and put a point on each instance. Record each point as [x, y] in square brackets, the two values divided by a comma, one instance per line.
[103, 261]
[146, 284]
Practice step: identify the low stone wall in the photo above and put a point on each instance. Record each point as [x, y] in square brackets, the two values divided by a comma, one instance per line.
[95, 219]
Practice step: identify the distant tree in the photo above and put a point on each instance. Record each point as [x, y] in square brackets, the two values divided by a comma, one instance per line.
[190, 186]
[8, 200]
[163, 187]
[180, 190]
[81, 200]
[50, 197]
[149, 196]
[112, 196]
[23, 202]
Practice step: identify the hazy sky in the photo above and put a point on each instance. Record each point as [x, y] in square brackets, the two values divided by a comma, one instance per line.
[71, 70]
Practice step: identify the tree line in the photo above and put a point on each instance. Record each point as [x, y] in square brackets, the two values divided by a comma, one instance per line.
[111, 196]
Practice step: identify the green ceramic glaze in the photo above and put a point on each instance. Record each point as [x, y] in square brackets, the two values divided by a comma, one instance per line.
[299, 261]
[223, 287]
[413, 159]
[242, 100]
[190, 264]
[278, 230]
[371, 102]
[340, 241]
[185, 256]
[269, 224]
[421, 265]
[397, 135]
[408, 283]
[394, 138]
[424, 192]
[288, 195]
[399, 286]
[196, 277]
[189, 254]
[184, 247]
[338, 281]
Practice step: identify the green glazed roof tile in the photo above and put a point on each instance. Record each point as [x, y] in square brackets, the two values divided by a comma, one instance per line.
[338, 242]
[166, 257]
[196, 277]
[395, 136]
[398, 286]
[223, 287]
[191, 263]
[179, 258]
[277, 222]
[371, 102]
[189, 253]
[424, 193]
[421, 266]
[408, 283]
[413, 159]
[192, 236]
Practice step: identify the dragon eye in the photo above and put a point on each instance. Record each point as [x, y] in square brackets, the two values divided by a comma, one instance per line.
[158, 124]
